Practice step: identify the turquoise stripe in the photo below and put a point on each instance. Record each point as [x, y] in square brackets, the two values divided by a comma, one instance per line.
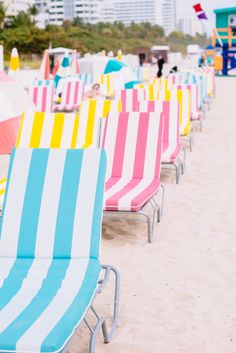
[61, 332]
[32, 203]
[97, 209]
[47, 292]
[7, 186]
[67, 204]
[13, 282]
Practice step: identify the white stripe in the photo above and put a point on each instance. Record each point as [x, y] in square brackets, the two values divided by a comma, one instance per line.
[30, 286]
[151, 145]
[48, 210]
[54, 312]
[110, 140]
[68, 129]
[47, 129]
[14, 203]
[83, 120]
[26, 129]
[6, 265]
[83, 218]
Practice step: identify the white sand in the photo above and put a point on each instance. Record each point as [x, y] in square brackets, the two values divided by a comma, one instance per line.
[178, 295]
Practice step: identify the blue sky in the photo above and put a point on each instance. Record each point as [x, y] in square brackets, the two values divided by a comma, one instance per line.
[185, 10]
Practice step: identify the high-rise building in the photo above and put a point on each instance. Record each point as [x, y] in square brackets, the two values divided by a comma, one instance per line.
[128, 11]
[191, 26]
[13, 7]
[168, 16]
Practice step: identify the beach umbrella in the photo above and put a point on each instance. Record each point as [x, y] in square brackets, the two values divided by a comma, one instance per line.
[44, 70]
[14, 65]
[13, 102]
[63, 71]
[74, 63]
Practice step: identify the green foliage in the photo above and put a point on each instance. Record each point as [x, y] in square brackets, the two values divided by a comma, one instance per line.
[21, 31]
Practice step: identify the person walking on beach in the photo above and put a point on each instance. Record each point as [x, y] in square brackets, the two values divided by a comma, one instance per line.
[160, 64]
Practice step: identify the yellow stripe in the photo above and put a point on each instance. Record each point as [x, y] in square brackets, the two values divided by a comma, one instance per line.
[106, 108]
[90, 124]
[2, 191]
[102, 78]
[20, 130]
[180, 100]
[167, 95]
[151, 92]
[108, 83]
[2, 181]
[57, 131]
[37, 130]
[119, 106]
[75, 132]
[14, 63]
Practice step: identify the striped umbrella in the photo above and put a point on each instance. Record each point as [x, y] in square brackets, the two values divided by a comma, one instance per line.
[74, 63]
[14, 65]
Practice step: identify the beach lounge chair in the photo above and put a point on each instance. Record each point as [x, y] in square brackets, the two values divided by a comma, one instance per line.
[43, 96]
[130, 98]
[71, 95]
[50, 271]
[133, 143]
[196, 114]
[173, 153]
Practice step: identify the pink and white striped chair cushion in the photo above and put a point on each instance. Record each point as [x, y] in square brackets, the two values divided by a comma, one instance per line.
[133, 143]
[194, 98]
[171, 147]
[43, 97]
[72, 95]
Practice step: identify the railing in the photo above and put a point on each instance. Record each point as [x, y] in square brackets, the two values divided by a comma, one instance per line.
[229, 36]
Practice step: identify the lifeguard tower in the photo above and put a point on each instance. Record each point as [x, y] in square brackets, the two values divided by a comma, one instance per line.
[224, 37]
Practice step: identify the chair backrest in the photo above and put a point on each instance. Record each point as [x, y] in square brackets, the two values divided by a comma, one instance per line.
[53, 204]
[73, 92]
[133, 143]
[86, 77]
[130, 98]
[48, 130]
[171, 134]
[91, 115]
[194, 92]
[42, 96]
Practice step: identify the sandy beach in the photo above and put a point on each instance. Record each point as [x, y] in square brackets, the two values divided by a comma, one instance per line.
[178, 294]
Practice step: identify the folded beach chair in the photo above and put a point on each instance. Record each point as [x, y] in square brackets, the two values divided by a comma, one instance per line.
[196, 114]
[43, 96]
[50, 271]
[130, 98]
[71, 95]
[133, 143]
[173, 153]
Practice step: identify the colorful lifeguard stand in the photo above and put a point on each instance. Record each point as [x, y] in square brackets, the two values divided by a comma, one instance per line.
[224, 37]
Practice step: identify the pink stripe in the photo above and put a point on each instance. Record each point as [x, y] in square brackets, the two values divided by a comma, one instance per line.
[141, 144]
[44, 99]
[35, 96]
[151, 106]
[135, 100]
[123, 100]
[76, 98]
[68, 92]
[176, 152]
[178, 124]
[166, 112]
[120, 145]
[111, 182]
[159, 148]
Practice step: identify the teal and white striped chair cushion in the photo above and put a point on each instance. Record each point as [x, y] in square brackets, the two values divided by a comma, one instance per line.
[49, 246]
